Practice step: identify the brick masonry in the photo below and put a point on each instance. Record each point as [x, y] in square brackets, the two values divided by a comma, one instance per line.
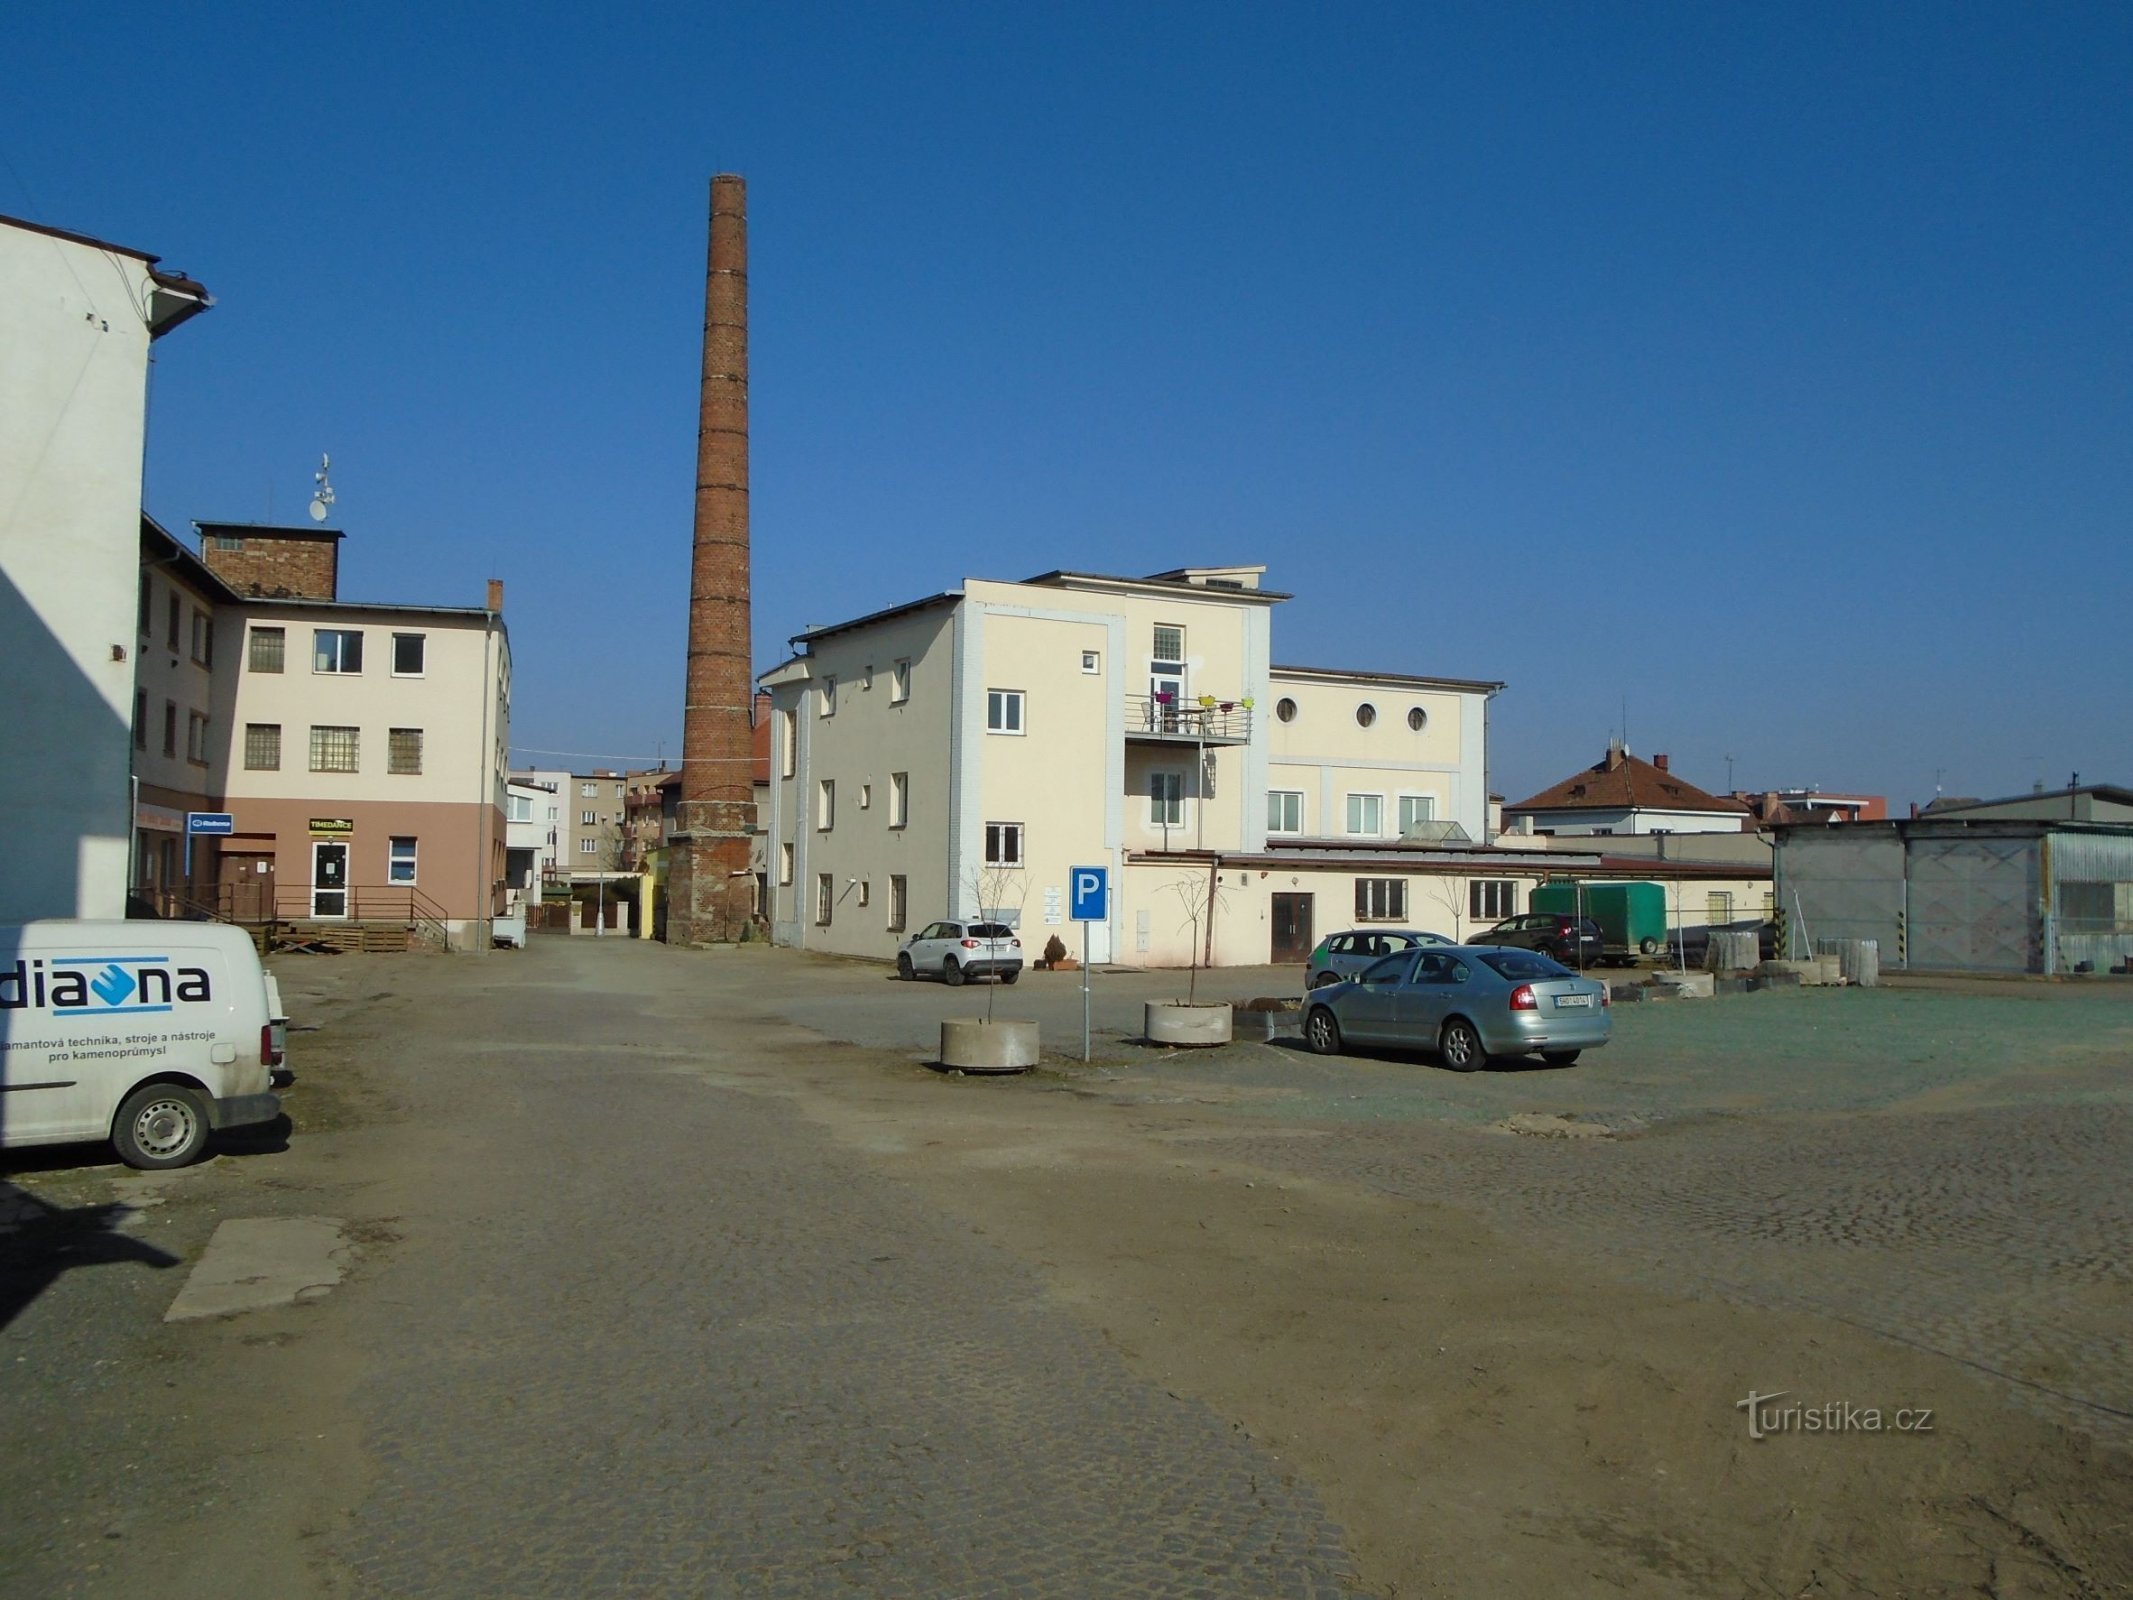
[299, 563]
[710, 887]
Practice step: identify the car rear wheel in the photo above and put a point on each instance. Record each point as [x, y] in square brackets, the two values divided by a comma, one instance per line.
[1323, 979]
[1559, 1058]
[1461, 1046]
[951, 974]
[1010, 977]
[1322, 1032]
[161, 1125]
[904, 969]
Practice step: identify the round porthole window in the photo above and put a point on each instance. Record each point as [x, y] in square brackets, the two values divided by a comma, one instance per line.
[1417, 719]
[1285, 708]
[1365, 714]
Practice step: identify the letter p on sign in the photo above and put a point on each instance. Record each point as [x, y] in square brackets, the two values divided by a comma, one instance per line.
[1088, 892]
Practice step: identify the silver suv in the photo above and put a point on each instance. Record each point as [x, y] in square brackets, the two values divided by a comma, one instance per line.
[960, 950]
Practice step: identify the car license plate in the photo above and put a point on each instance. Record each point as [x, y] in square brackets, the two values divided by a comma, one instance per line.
[1565, 1002]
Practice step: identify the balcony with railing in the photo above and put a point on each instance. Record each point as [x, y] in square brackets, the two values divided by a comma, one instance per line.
[1188, 719]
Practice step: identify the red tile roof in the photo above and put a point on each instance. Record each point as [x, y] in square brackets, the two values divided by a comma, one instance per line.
[1622, 782]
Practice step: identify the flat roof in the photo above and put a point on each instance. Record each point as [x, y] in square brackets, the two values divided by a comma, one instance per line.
[1419, 681]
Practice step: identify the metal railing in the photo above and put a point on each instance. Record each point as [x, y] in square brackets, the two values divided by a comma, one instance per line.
[1202, 717]
[367, 902]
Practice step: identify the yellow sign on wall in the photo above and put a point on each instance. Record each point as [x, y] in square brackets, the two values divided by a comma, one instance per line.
[333, 825]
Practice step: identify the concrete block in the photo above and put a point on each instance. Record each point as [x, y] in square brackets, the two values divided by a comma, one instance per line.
[1176, 1022]
[973, 1044]
[1773, 978]
[1733, 986]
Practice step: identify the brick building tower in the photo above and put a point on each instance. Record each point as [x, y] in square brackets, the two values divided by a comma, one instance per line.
[710, 887]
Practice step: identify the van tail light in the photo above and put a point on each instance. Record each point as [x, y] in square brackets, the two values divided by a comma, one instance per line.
[267, 1054]
[1017, 943]
[970, 944]
[1522, 998]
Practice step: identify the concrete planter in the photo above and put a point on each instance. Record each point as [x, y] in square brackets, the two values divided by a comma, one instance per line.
[1176, 1022]
[972, 1044]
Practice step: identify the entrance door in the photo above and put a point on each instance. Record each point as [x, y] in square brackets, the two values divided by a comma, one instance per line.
[248, 885]
[1292, 927]
[329, 880]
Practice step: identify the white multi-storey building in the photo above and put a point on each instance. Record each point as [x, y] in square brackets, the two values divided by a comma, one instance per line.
[959, 754]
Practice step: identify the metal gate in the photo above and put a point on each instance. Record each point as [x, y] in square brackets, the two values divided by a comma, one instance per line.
[1974, 905]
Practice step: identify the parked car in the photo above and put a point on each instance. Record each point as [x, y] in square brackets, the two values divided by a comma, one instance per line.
[1466, 1003]
[1690, 945]
[958, 951]
[1343, 955]
[1574, 941]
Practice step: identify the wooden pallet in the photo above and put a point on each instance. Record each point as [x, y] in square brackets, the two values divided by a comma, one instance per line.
[337, 938]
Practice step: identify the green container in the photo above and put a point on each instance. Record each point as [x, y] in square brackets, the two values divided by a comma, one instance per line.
[1632, 916]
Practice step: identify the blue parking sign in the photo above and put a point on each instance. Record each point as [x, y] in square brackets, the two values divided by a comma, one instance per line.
[1088, 893]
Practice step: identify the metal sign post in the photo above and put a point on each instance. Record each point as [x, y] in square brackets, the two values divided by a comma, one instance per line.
[1088, 901]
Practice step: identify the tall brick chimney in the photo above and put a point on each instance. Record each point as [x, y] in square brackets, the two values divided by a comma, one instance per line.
[710, 887]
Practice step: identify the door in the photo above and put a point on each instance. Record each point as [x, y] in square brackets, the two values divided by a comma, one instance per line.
[1428, 998]
[329, 879]
[248, 885]
[1370, 1011]
[1292, 927]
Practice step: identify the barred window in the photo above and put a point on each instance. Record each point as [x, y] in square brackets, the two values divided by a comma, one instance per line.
[1491, 899]
[1381, 899]
[333, 749]
[1003, 844]
[268, 647]
[262, 746]
[403, 752]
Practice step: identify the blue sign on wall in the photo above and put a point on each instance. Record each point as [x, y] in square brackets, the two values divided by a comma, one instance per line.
[1088, 893]
[209, 822]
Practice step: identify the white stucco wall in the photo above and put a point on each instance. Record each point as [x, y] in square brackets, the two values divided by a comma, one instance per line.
[73, 371]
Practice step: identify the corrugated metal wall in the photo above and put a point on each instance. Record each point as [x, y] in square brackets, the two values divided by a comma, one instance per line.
[1975, 904]
[2091, 901]
[1844, 883]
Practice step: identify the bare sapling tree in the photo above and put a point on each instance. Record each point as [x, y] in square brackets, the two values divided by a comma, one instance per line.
[1449, 893]
[996, 890]
[1200, 898]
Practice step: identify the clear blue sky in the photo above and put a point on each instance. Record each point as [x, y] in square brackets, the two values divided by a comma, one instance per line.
[1769, 369]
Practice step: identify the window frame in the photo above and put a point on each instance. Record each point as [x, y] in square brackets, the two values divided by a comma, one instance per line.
[1376, 801]
[1166, 813]
[899, 799]
[203, 639]
[999, 837]
[825, 804]
[196, 738]
[395, 765]
[828, 690]
[393, 854]
[340, 668]
[825, 898]
[1272, 795]
[1391, 892]
[422, 650]
[1492, 900]
[257, 737]
[900, 681]
[899, 901]
[320, 748]
[258, 635]
[1399, 807]
[1005, 706]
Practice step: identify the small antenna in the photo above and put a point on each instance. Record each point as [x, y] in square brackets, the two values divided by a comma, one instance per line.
[321, 501]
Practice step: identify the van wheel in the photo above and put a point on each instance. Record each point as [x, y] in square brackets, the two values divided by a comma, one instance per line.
[161, 1125]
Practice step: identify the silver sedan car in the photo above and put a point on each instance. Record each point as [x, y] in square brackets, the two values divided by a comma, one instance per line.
[1466, 1003]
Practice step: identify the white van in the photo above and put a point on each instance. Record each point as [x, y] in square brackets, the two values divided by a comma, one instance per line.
[149, 1034]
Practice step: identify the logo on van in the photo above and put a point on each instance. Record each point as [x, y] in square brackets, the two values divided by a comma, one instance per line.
[101, 985]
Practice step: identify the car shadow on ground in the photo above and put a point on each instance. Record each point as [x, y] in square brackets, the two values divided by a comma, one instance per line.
[1294, 1044]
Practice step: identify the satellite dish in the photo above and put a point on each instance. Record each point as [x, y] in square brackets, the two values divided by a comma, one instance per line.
[318, 511]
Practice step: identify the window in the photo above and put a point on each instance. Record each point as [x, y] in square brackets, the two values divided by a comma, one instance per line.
[897, 899]
[899, 799]
[175, 616]
[1381, 899]
[518, 808]
[1166, 799]
[229, 541]
[403, 752]
[400, 861]
[587, 847]
[825, 805]
[900, 683]
[262, 746]
[866, 796]
[866, 681]
[336, 650]
[788, 744]
[203, 639]
[1166, 666]
[1416, 808]
[1003, 844]
[140, 719]
[1366, 814]
[1285, 709]
[333, 749]
[829, 705]
[588, 791]
[1417, 718]
[170, 728]
[825, 898]
[1092, 661]
[268, 647]
[784, 863]
[1491, 899]
[588, 819]
[1719, 907]
[147, 604]
[196, 738]
[1003, 710]
[1169, 643]
[409, 650]
[1365, 714]
[618, 791]
[865, 892]
[1284, 811]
